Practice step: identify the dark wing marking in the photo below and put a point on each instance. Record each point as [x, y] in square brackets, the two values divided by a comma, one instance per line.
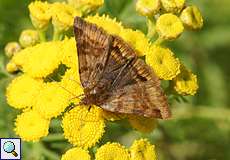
[144, 99]
[134, 88]
[120, 81]
[93, 45]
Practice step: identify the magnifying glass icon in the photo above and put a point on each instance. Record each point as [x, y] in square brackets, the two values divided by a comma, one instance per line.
[9, 147]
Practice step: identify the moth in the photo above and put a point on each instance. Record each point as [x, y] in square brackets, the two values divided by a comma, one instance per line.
[113, 77]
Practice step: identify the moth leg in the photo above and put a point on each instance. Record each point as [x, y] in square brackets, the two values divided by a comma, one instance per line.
[71, 106]
[89, 108]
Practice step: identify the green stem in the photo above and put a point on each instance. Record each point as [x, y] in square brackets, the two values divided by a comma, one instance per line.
[54, 137]
[151, 27]
[42, 35]
[47, 153]
[57, 35]
[50, 155]
[159, 41]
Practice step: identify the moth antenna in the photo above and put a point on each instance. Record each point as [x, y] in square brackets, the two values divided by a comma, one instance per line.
[76, 97]
[71, 79]
[75, 81]
[51, 79]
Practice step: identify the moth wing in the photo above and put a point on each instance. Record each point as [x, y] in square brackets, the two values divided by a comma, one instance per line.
[135, 88]
[143, 99]
[93, 45]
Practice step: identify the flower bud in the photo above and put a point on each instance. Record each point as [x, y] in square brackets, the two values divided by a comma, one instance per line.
[63, 16]
[86, 6]
[28, 38]
[192, 18]
[174, 6]
[11, 48]
[185, 83]
[147, 7]
[39, 14]
[169, 26]
[11, 67]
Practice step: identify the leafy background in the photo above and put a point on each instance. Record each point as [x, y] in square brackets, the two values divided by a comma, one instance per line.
[199, 130]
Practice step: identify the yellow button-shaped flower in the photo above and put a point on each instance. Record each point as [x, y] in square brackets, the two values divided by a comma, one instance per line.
[186, 82]
[163, 62]
[83, 127]
[22, 91]
[39, 14]
[108, 24]
[76, 154]
[148, 7]
[51, 100]
[70, 56]
[192, 18]
[174, 6]
[136, 39]
[112, 151]
[40, 60]
[63, 15]
[169, 26]
[31, 126]
[86, 6]
[142, 150]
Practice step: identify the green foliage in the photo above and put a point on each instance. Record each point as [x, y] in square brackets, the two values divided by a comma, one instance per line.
[199, 132]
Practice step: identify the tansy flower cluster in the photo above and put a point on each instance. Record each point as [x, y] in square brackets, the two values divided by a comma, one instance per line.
[140, 150]
[47, 85]
[167, 20]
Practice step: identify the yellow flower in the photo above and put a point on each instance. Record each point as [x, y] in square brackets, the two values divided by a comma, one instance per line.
[40, 60]
[112, 151]
[63, 15]
[69, 50]
[192, 18]
[173, 5]
[20, 58]
[169, 26]
[142, 150]
[31, 126]
[22, 91]
[11, 48]
[11, 67]
[52, 100]
[108, 24]
[163, 62]
[71, 79]
[186, 82]
[148, 7]
[86, 6]
[83, 127]
[142, 124]
[71, 82]
[28, 38]
[136, 39]
[76, 154]
[39, 14]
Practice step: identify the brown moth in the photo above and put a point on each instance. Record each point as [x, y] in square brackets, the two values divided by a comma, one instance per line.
[113, 77]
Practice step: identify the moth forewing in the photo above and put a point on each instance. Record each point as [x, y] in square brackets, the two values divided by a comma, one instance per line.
[113, 77]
